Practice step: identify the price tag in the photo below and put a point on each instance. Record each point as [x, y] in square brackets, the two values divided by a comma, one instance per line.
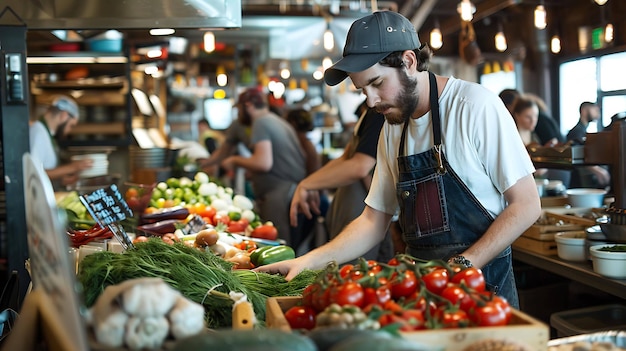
[107, 205]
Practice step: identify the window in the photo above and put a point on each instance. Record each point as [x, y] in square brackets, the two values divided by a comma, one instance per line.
[596, 79]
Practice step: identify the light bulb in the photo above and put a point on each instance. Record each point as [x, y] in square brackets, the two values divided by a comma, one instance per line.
[555, 44]
[500, 41]
[285, 73]
[608, 33]
[326, 62]
[601, 2]
[466, 9]
[436, 39]
[540, 17]
[222, 79]
[329, 40]
[209, 42]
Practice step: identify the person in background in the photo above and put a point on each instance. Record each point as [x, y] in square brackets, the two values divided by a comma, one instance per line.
[276, 165]
[302, 121]
[526, 113]
[208, 137]
[449, 159]
[545, 131]
[60, 117]
[588, 176]
[351, 175]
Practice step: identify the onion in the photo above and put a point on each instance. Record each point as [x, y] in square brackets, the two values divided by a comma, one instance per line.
[206, 237]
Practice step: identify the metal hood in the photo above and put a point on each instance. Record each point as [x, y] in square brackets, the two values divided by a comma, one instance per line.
[126, 14]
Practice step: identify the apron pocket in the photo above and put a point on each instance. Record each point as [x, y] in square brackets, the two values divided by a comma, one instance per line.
[423, 206]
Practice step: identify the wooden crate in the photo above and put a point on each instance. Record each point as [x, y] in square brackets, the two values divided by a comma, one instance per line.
[544, 247]
[523, 329]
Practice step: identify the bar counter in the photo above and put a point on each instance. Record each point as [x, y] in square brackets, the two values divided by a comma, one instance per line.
[581, 272]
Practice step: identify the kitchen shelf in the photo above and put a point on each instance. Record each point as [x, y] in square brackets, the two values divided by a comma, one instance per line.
[581, 272]
[103, 96]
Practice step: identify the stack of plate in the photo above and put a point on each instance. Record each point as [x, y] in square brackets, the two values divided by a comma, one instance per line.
[100, 165]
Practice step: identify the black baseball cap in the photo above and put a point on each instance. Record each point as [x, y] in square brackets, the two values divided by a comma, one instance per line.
[370, 39]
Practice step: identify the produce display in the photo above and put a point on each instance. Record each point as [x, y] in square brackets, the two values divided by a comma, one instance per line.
[141, 313]
[403, 292]
[200, 276]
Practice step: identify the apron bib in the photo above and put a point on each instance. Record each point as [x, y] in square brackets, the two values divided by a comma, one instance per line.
[439, 215]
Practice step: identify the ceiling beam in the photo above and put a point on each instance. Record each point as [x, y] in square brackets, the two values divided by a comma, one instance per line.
[484, 9]
[422, 12]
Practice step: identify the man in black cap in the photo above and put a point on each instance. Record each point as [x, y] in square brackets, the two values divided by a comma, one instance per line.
[449, 158]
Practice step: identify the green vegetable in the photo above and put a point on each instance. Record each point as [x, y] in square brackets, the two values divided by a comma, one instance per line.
[614, 248]
[198, 275]
[271, 254]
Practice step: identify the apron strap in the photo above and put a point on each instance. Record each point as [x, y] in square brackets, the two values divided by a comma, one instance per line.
[434, 111]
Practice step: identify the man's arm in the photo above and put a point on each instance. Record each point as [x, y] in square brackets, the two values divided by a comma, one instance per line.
[261, 159]
[524, 208]
[354, 240]
[336, 173]
[72, 168]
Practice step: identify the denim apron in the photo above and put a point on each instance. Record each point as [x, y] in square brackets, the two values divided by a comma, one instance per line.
[439, 216]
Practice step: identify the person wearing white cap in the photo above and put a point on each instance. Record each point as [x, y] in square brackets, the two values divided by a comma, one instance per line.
[61, 116]
[449, 159]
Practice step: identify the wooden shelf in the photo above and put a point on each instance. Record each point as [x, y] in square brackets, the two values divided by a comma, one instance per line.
[117, 128]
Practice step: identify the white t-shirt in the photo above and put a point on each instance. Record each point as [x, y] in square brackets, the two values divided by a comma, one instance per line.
[480, 141]
[41, 147]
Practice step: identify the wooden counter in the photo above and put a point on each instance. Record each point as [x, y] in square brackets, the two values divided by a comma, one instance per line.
[581, 272]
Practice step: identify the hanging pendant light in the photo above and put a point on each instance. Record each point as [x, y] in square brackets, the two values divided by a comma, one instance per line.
[209, 42]
[329, 38]
[555, 44]
[466, 9]
[601, 2]
[540, 17]
[436, 39]
[500, 39]
[608, 33]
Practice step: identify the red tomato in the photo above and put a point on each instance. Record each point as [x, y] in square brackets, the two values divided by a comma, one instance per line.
[373, 267]
[491, 314]
[221, 218]
[376, 296]
[415, 318]
[265, 231]
[403, 284]
[238, 226]
[208, 211]
[504, 305]
[349, 293]
[301, 317]
[454, 318]
[472, 277]
[436, 280]
[454, 293]
[393, 262]
[309, 294]
[346, 270]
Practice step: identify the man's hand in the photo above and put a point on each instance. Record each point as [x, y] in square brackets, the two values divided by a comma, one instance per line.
[305, 201]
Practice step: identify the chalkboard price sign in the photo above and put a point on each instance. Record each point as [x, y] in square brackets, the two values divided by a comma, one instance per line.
[107, 205]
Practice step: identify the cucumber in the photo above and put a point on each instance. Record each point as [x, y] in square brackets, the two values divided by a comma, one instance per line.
[246, 340]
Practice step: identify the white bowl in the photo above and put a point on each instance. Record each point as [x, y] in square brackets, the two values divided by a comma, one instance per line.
[570, 246]
[585, 197]
[611, 264]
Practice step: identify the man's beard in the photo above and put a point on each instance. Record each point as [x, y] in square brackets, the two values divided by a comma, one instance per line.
[407, 100]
